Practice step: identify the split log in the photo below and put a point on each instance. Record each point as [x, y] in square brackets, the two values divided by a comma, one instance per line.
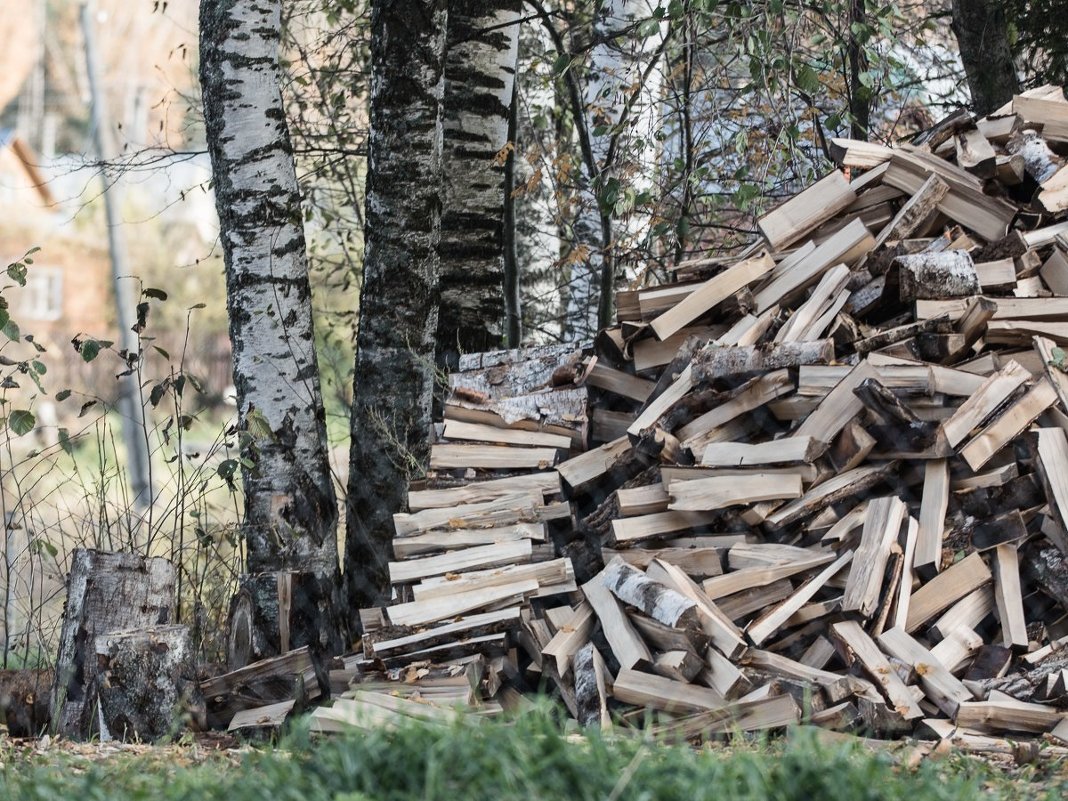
[715, 363]
[105, 592]
[148, 683]
[934, 276]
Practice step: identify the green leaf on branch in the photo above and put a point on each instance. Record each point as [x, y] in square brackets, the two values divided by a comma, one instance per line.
[21, 421]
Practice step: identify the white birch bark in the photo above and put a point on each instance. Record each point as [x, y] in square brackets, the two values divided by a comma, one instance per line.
[617, 64]
[290, 508]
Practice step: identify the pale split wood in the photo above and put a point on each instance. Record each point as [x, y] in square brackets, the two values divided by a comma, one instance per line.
[730, 583]
[570, 638]
[857, 642]
[904, 591]
[503, 511]
[480, 432]
[939, 684]
[775, 618]
[881, 527]
[553, 577]
[451, 539]
[480, 491]
[994, 391]
[696, 561]
[587, 467]
[711, 293]
[1008, 597]
[945, 589]
[933, 505]
[720, 629]
[807, 210]
[1053, 458]
[646, 689]
[1011, 423]
[645, 527]
[1057, 377]
[706, 494]
[967, 613]
[847, 245]
[838, 407]
[660, 405]
[779, 451]
[481, 556]
[627, 645]
[415, 613]
[491, 457]
[754, 395]
[830, 491]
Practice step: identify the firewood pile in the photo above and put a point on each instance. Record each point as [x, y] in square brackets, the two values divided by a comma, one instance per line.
[823, 481]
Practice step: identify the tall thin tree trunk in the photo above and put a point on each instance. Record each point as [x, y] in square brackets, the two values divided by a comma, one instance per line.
[394, 377]
[480, 65]
[616, 70]
[857, 62]
[513, 304]
[982, 32]
[290, 507]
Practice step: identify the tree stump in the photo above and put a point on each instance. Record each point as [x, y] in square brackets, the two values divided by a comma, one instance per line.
[273, 613]
[105, 592]
[147, 684]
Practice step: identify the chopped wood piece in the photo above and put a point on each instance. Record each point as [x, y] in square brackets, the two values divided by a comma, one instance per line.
[714, 363]
[914, 211]
[982, 403]
[581, 470]
[770, 622]
[1009, 598]
[947, 588]
[503, 511]
[720, 629]
[1008, 715]
[830, 491]
[845, 246]
[617, 382]
[482, 491]
[1014, 420]
[730, 583]
[967, 613]
[570, 638]
[928, 559]
[627, 645]
[838, 408]
[933, 276]
[479, 432]
[780, 451]
[491, 457]
[807, 210]
[483, 556]
[711, 293]
[856, 642]
[678, 665]
[938, 683]
[450, 539]
[417, 613]
[657, 692]
[661, 603]
[591, 688]
[645, 527]
[706, 494]
[694, 561]
[881, 527]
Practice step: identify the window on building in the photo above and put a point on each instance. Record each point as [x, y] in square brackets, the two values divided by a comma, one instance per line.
[42, 297]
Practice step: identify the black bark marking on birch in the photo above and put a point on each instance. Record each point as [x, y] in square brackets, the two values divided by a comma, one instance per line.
[399, 300]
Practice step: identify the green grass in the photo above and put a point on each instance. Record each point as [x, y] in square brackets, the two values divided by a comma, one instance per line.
[528, 760]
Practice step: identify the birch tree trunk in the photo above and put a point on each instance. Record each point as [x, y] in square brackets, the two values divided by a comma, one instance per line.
[394, 375]
[616, 79]
[480, 64]
[290, 507]
[982, 32]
